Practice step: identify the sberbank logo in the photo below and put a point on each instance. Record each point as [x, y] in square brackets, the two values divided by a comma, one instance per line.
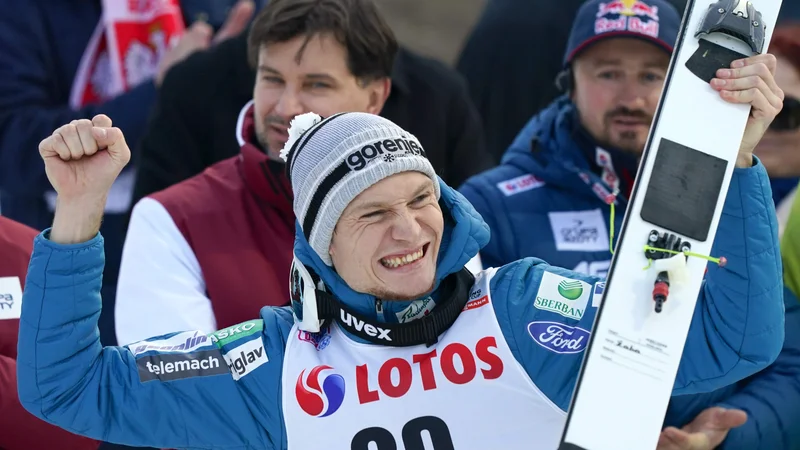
[570, 289]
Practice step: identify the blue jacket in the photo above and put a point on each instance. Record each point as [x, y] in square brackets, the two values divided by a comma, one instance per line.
[537, 202]
[67, 378]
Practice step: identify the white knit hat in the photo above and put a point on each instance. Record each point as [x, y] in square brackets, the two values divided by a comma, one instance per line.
[331, 161]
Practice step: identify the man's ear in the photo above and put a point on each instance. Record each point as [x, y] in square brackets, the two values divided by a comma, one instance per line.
[379, 91]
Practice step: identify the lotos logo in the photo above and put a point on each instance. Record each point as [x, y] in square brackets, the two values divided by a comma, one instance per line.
[519, 184]
[319, 400]
[559, 338]
[570, 289]
[454, 363]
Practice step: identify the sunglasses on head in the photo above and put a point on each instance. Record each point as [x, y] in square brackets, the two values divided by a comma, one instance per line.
[789, 117]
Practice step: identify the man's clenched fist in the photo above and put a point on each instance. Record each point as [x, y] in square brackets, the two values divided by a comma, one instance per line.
[83, 158]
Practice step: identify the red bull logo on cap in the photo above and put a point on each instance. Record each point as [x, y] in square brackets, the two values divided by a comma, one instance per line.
[634, 15]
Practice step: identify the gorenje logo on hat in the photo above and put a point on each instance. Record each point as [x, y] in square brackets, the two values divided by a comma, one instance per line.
[634, 15]
[388, 148]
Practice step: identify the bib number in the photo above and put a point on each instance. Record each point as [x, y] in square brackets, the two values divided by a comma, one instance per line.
[411, 436]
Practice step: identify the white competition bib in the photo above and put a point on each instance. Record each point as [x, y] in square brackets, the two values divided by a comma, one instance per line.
[466, 392]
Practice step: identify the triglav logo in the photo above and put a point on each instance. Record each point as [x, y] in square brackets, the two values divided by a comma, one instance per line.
[570, 290]
[246, 358]
[559, 338]
[320, 399]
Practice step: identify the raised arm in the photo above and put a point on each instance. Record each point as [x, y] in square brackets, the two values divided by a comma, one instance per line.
[164, 392]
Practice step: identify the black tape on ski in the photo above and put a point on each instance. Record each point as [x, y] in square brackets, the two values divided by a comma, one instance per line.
[683, 190]
[566, 446]
[709, 58]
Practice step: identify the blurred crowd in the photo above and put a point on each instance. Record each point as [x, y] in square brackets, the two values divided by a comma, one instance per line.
[199, 229]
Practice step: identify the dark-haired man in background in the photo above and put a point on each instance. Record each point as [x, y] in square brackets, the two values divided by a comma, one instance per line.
[209, 251]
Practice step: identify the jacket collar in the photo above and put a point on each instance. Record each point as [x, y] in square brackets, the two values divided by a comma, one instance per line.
[265, 179]
[465, 233]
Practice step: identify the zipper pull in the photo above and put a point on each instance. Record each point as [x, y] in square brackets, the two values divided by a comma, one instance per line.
[379, 306]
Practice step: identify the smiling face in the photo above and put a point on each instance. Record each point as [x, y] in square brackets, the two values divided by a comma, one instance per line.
[318, 81]
[387, 240]
[618, 83]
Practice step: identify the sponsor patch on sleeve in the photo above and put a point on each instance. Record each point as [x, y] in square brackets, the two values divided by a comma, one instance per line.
[565, 296]
[519, 184]
[184, 342]
[176, 366]
[246, 358]
[236, 332]
[559, 338]
[597, 296]
[10, 298]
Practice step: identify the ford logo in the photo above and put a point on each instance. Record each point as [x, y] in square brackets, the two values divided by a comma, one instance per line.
[559, 338]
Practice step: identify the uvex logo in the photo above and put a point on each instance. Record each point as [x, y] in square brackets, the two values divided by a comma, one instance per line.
[362, 327]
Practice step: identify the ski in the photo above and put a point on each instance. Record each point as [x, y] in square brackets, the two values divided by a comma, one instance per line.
[633, 355]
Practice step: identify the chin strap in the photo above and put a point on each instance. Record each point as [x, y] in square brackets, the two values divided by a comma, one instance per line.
[315, 307]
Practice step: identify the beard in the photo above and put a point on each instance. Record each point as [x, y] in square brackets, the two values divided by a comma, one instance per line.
[261, 135]
[389, 296]
[626, 141]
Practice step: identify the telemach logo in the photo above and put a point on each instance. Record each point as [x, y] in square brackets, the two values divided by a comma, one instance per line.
[175, 366]
[363, 327]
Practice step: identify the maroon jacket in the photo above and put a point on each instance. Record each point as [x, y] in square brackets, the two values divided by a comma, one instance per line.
[238, 222]
[19, 430]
